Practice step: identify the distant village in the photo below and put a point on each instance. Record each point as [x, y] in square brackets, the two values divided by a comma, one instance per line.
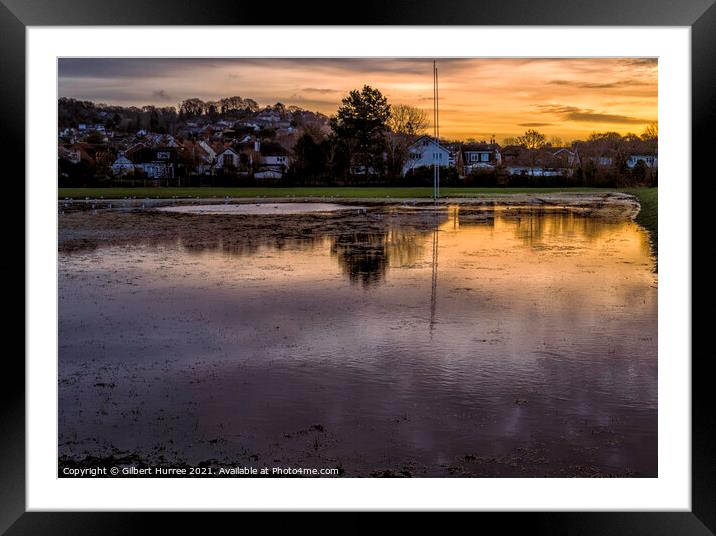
[235, 142]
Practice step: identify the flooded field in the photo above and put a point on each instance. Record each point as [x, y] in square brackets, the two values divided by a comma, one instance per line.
[505, 341]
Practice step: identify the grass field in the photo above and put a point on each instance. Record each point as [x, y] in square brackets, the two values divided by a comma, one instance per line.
[345, 192]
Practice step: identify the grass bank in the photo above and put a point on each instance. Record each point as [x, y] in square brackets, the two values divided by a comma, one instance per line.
[648, 215]
[337, 191]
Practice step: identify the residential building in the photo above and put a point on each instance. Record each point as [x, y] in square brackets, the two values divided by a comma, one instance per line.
[477, 156]
[426, 152]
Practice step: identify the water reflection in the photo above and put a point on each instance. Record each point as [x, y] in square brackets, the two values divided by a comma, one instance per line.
[367, 247]
[442, 343]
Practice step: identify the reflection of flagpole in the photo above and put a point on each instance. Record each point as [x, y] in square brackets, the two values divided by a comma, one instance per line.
[434, 285]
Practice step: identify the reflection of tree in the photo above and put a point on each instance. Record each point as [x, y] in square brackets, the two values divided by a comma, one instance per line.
[534, 226]
[366, 256]
[366, 245]
[362, 256]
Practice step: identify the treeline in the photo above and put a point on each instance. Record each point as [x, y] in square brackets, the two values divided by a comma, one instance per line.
[72, 112]
[163, 120]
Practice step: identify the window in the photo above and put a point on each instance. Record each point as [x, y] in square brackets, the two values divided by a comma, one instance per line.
[485, 157]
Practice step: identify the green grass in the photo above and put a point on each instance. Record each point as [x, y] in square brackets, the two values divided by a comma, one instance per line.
[338, 191]
[648, 216]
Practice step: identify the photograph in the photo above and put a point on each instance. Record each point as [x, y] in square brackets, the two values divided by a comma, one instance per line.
[357, 267]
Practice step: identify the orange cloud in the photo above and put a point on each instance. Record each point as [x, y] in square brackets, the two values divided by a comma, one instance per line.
[480, 97]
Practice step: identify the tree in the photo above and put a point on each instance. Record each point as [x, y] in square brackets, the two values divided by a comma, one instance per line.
[310, 159]
[556, 141]
[250, 105]
[638, 172]
[362, 118]
[231, 104]
[532, 140]
[405, 124]
[192, 107]
[651, 132]
[651, 136]
[407, 120]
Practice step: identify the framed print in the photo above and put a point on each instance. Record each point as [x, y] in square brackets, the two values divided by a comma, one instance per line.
[412, 263]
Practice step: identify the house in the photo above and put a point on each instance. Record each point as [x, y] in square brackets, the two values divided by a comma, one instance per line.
[72, 154]
[268, 117]
[425, 151]
[650, 160]
[156, 162]
[511, 153]
[476, 156]
[228, 159]
[272, 156]
[568, 157]
[77, 152]
[122, 165]
[538, 163]
[199, 155]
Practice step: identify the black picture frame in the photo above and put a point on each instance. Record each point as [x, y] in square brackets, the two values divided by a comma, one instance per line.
[699, 15]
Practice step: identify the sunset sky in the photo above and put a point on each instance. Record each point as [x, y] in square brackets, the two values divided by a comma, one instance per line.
[567, 98]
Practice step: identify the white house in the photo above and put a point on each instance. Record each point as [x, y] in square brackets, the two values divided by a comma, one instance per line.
[227, 158]
[650, 160]
[122, 165]
[426, 152]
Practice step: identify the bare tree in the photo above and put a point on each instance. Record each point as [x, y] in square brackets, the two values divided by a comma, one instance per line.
[405, 124]
[532, 141]
[651, 132]
[407, 120]
[556, 141]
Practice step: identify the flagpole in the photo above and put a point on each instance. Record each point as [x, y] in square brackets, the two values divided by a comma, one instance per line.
[437, 124]
[435, 140]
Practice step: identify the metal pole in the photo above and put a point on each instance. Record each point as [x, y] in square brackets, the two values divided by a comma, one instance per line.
[435, 146]
[437, 124]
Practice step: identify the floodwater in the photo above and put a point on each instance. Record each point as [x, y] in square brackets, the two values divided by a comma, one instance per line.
[257, 208]
[508, 342]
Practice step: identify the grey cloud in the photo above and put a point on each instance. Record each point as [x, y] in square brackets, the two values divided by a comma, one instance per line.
[585, 115]
[162, 95]
[321, 90]
[620, 84]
